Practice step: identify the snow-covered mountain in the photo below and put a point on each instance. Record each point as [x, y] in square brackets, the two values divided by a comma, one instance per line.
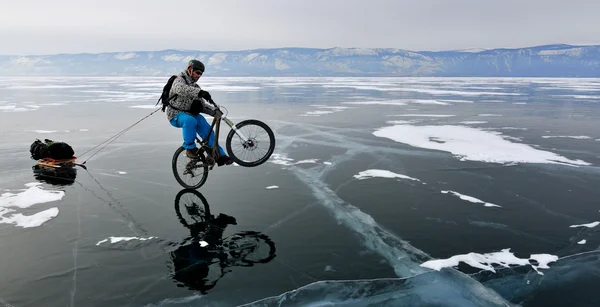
[540, 61]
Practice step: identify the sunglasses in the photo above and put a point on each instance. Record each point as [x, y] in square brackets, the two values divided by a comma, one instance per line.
[198, 72]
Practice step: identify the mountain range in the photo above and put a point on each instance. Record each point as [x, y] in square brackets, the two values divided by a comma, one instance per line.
[538, 61]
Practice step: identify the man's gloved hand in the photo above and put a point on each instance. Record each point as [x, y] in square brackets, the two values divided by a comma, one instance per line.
[205, 95]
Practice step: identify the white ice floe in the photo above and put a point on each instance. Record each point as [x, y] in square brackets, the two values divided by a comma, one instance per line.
[382, 174]
[327, 163]
[473, 122]
[144, 106]
[283, 160]
[27, 198]
[509, 128]
[280, 159]
[324, 110]
[471, 144]
[503, 258]
[42, 131]
[579, 137]
[272, 187]
[317, 113]
[425, 115]
[121, 172]
[489, 115]
[398, 102]
[307, 161]
[582, 242]
[519, 102]
[580, 96]
[590, 225]
[113, 240]
[452, 92]
[471, 199]
[84, 130]
[13, 108]
[456, 100]
[401, 122]
[430, 101]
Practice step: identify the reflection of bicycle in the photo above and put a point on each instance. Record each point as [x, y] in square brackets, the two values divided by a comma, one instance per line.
[249, 143]
[206, 247]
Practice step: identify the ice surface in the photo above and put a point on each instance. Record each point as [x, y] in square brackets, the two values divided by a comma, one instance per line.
[468, 143]
[428, 289]
[590, 225]
[504, 258]
[27, 198]
[471, 199]
[582, 242]
[381, 173]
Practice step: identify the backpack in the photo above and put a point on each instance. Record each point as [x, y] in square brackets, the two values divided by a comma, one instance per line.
[164, 97]
[50, 149]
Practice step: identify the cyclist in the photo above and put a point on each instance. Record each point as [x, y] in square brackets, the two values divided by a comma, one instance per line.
[185, 108]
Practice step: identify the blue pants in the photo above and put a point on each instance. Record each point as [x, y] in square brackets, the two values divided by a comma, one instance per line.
[192, 125]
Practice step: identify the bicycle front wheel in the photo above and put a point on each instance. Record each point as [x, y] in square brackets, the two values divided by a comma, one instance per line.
[258, 146]
[189, 173]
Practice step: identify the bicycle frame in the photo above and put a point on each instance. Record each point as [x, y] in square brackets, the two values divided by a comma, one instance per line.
[216, 122]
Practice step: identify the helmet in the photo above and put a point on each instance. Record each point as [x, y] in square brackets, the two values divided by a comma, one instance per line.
[195, 64]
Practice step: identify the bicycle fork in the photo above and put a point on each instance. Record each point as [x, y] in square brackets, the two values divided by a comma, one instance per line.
[235, 129]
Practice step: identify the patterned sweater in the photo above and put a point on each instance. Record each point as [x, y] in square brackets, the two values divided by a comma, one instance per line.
[187, 91]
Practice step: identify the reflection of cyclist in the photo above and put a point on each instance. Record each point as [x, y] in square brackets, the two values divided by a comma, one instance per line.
[206, 246]
[192, 261]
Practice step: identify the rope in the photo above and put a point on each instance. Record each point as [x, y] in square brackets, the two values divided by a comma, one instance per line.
[114, 137]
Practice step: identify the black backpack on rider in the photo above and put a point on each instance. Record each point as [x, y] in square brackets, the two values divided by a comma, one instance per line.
[164, 97]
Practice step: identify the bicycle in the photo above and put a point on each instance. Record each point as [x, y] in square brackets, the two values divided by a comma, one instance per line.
[196, 169]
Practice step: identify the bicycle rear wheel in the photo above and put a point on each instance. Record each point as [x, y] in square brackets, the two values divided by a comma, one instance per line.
[257, 149]
[191, 208]
[189, 173]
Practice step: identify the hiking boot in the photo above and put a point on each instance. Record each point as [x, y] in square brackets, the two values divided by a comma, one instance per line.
[192, 153]
[224, 160]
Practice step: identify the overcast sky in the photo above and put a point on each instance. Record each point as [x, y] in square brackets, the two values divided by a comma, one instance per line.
[30, 27]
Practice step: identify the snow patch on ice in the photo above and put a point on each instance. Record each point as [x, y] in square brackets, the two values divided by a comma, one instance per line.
[590, 225]
[27, 198]
[487, 261]
[473, 122]
[272, 187]
[471, 144]
[382, 174]
[471, 199]
[578, 137]
[113, 240]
